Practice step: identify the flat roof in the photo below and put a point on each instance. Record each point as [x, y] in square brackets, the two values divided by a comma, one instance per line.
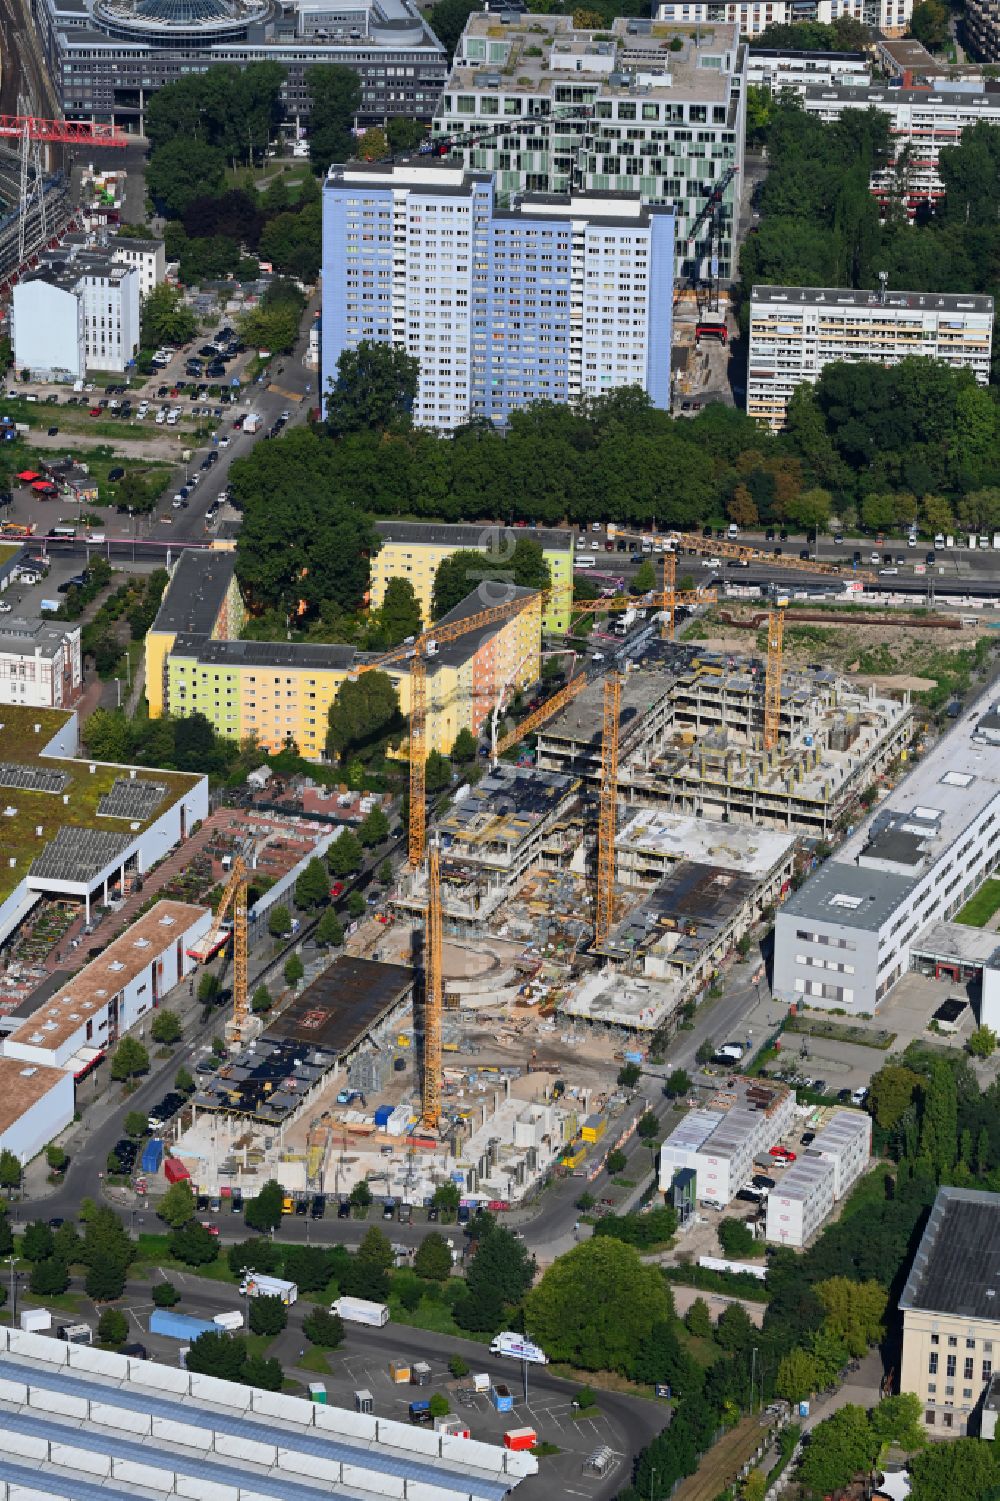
[292, 654]
[729, 846]
[498, 539]
[956, 941]
[800, 1180]
[834, 297]
[22, 1085]
[956, 1270]
[502, 808]
[27, 636]
[856, 896]
[89, 991]
[196, 591]
[861, 94]
[795, 54]
[335, 1011]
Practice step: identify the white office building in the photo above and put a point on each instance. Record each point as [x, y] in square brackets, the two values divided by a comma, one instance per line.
[806, 1192]
[753, 17]
[796, 331]
[630, 108]
[563, 297]
[795, 72]
[921, 121]
[720, 1141]
[148, 257]
[77, 311]
[846, 936]
[40, 663]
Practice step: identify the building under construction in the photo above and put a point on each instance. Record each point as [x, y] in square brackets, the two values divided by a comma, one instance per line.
[692, 740]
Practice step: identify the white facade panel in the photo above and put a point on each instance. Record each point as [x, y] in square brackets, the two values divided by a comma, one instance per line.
[48, 330]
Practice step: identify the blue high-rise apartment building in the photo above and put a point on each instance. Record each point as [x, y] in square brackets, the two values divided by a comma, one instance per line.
[556, 298]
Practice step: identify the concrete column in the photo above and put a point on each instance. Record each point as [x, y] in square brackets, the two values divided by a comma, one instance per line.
[86, 901]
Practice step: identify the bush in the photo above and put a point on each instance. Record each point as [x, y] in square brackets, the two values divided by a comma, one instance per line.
[165, 1294]
[267, 1316]
[458, 1367]
[323, 1328]
[112, 1327]
[49, 1278]
[440, 1406]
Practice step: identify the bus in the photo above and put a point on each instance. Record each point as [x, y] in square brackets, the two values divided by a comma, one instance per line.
[583, 563]
[66, 533]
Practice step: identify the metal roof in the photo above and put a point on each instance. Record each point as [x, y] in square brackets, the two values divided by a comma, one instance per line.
[957, 1268]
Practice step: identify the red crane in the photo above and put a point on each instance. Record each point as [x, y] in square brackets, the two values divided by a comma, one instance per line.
[61, 132]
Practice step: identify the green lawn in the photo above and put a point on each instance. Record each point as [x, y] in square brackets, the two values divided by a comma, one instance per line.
[979, 909]
[153, 1253]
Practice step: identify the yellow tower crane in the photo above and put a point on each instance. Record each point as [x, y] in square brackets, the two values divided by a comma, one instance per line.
[772, 682]
[607, 809]
[665, 600]
[433, 994]
[241, 1027]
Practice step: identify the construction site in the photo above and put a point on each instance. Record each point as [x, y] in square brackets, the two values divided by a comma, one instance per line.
[555, 918]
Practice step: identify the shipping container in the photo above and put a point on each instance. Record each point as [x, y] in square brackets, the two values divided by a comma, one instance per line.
[175, 1171]
[382, 1115]
[399, 1371]
[520, 1438]
[152, 1155]
[179, 1325]
[501, 1397]
[420, 1373]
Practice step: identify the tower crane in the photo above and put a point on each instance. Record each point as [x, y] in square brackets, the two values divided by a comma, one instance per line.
[723, 548]
[33, 132]
[665, 600]
[541, 715]
[772, 681]
[608, 800]
[430, 1109]
[240, 1027]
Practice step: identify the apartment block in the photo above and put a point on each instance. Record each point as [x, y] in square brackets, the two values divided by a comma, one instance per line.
[807, 1191]
[147, 257]
[982, 20]
[565, 296]
[76, 312]
[414, 550]
[753, 17]
[40, 663]
[640, 107]
[921, 122]
[202, 599]
[796, 331]
[720, 1141]
[280, 692]
[951, 1322]
[846, 936]
[795, 72]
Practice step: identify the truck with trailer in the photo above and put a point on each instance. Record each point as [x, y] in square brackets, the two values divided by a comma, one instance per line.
[361, 1311]
[518, 1347]
[258, 1285]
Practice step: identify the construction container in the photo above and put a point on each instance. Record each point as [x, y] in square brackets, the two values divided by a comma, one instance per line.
[593, 1128]
[364, 1401]
[454, 1427]
[152, 1156]
[502, 1397]
[382, 1116]
[481, 1383]
[175, 1171]
[399, 1371]
[317, 1392]
[520, 1438]
[420, 1412]
[420, 1373]
[574, 1156]
[33, 1320]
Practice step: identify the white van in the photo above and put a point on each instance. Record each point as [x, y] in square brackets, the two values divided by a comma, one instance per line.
[171, 419]
[161, 417]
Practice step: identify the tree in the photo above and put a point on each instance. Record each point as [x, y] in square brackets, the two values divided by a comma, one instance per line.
[209, 988]
[385, 872]
[678, 1083]
[629, 1075]
[644, 578]
[181, 171]
[571, 1316]
[105, 733]
[266, 1374]
[737, 1240]
[49, 1278]
[855, 1311]
[446, 1199]
[312, 887]
[838, 1449]
[377, 1249]
[433, 1258]
[129, 1059]
[261, 1001]
[329, 931]
[615, 1161]
[360, 1195]
[165, 1294]
[929, 23]
[267, 1316]
[136, 1124]
[699, 1320]
[355, 905]
[796, 1376]
[165, 319]
[57, 1157]
[193, 1244]
[939, 1116]
[448, 19]
[755, 1486]
[184, 1081]
[437, 772]
[464, 750]
[334, 98]
[112, 1327]
[891, 1093]
[36, 1243]
[105, 1281]
[178, 1204]
[165, 1028]
[404, 135]
[982, 1042]
[255, 1255]
[279, 921]
[294, 970]
[222, 1355]
[735, 1329]
[399, 614]
[375, 389]
[497, 562]
[705, 1051]
[344, 855]
[502, 1264]
[440, 1407]
[264, 1212]
[649, 1125]
[323, 1328]
[364, 717]
[374, 827]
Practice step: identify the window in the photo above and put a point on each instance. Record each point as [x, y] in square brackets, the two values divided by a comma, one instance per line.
[932, 1363]
[935, 1339]
[970, 1344]
[946, 1419]
[967, 1371]
[952, 1342]
[950, 1365]
[929, 1419]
